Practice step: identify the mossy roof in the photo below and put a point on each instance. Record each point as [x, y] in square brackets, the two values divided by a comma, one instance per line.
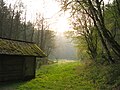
[14, 47]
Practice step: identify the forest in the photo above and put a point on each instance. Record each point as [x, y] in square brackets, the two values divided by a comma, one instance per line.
[13, 25]
[95, 36]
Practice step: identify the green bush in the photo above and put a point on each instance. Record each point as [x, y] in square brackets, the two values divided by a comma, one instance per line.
[103, 77]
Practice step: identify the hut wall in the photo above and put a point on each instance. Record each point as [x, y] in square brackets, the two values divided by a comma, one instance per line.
[0, 68]
[29, 71]
[11, 68]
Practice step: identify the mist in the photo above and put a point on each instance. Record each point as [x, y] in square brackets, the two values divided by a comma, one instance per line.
[64, 48]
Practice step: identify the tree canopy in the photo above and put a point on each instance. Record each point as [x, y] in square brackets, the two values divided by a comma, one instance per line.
[90, 19]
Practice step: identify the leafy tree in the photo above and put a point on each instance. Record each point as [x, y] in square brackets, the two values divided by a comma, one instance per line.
[3, 15]
[10, 21]
[80, 44]
[30, 31]
[94, 9]
[49, 41]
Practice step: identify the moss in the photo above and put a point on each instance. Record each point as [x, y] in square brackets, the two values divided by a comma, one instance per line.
[12, 47]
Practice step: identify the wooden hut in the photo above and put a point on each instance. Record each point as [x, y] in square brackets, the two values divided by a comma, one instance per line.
[18, 59]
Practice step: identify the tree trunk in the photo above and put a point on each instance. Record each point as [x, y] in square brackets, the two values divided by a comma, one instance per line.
[99, 21]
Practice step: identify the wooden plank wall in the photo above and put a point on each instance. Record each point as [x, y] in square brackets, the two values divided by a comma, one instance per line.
[29, 71]
[11, 68]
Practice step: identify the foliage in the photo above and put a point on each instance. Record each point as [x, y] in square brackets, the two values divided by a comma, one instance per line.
[49, 41]
[112, 16]
[80, 44]
[104, 77]
[90, 17]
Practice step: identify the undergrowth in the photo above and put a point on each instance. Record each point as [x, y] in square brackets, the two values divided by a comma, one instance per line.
[104, 77]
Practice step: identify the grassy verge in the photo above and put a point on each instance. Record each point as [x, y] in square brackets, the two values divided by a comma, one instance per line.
[103, 77]
[61, 76]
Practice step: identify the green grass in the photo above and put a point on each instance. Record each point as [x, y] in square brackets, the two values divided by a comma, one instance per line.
[71, 76]
[59, 76]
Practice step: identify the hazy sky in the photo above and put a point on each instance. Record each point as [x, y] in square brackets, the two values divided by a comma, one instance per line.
[50, 9]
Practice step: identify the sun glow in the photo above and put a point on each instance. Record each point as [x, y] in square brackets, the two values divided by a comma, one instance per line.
[50, 9]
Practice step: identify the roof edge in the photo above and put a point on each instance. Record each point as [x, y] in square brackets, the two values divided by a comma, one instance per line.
[23, 55]
[17, 40]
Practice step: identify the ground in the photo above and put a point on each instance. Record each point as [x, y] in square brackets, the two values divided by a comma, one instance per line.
[59, 76]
